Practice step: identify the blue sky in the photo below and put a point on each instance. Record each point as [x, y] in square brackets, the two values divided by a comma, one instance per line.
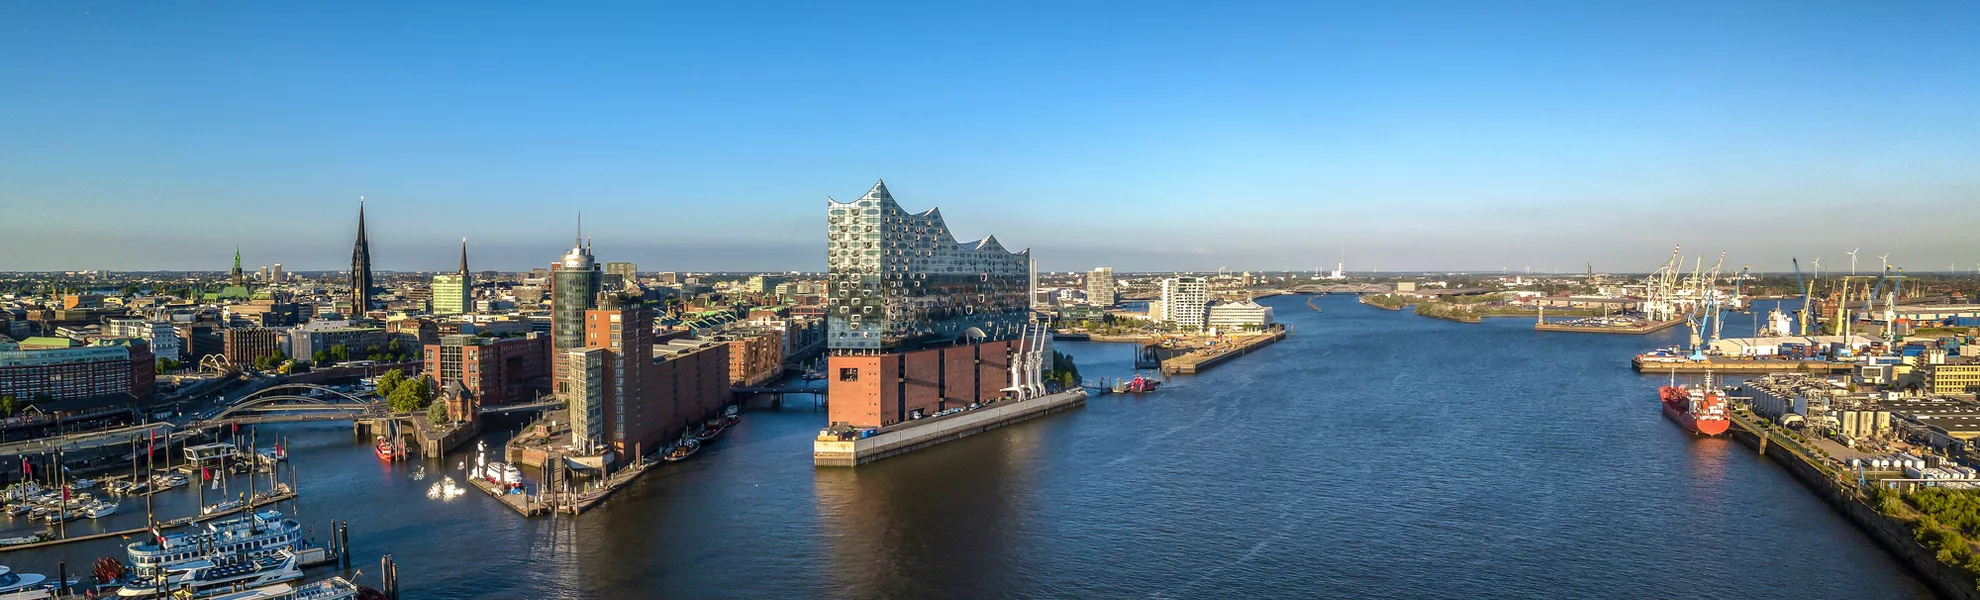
[1142, 135]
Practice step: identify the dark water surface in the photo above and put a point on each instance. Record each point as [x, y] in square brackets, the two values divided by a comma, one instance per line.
[1374, 454]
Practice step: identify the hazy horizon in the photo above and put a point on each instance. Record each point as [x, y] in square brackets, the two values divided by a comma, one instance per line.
[1426, 136]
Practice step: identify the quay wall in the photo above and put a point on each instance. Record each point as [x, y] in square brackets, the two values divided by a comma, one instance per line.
[1893, 534]
[942, 429]
[1191, 364]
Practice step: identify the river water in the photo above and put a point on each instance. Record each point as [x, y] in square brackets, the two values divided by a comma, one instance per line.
[1373, 454]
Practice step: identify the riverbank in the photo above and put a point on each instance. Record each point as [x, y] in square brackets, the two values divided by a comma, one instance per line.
[915, 435]
[1646, 328]
[1830, 483]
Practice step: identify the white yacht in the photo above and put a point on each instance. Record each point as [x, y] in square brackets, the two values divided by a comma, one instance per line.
[335, 588]
[206, 578]
[101, 509]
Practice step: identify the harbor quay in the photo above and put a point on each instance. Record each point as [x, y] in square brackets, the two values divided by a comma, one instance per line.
[830, 451]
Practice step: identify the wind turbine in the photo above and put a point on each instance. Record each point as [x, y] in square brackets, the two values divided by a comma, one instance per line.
[1887, 261]
[1852, 260]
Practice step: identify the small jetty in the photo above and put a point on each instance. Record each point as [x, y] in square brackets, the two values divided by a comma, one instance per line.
[529, 505]
[903, 438]
[1202, 360]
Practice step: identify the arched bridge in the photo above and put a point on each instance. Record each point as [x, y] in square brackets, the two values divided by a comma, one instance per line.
[293, 402]
[1343, 288]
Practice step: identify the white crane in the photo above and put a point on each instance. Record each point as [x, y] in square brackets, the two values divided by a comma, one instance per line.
[1852, 260]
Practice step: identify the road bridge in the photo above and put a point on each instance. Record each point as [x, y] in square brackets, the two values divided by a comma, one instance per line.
[1343, 288]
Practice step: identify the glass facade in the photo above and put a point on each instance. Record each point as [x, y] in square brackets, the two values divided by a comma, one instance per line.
[900, 281]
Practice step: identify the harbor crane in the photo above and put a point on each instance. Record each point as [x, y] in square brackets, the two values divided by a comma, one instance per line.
[1802, 315]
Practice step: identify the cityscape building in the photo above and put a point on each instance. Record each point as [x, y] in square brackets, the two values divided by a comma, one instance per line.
[1185, 302]
[491, 371]
[241, 346]
[1235, 316]
[917, 322]
[361, 282]
[453, 293]
[1100, 286]
[574, 288]
[108, 367]
[163, 339]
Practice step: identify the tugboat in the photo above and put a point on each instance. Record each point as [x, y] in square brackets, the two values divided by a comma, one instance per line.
[731, 416]
[385, 449]
[710, 431]
[681, 451]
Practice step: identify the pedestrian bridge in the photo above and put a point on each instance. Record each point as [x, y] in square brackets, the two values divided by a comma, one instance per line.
[1343, 288]
[295, 402]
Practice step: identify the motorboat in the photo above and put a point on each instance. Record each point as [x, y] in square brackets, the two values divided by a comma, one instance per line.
[220, 507]
[334, 588]
[682, 450]
[82, 484]
[101, 509]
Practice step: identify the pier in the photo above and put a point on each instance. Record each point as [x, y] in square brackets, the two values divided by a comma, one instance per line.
[529, 505]
[1646, 328]
[162, 525]
[1202, 360]
[914, 435]
[1741, 367]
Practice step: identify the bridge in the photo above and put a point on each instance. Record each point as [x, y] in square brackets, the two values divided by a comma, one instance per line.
[1343, 288]
[517, 408]
[287, 403]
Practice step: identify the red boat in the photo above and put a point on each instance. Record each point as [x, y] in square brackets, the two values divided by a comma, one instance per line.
[1137, 385]
[385, 449]
[1698, 409]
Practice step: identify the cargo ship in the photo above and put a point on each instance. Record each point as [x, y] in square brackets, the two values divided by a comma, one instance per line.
[1699, 409]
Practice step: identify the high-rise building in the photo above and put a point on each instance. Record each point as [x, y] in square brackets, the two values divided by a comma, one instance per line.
[1100, 286]
[917, 322]
[629, 396]
[361, 283]
[763, 284]
[453, 293]
[574, 285]
[626, 271]
[275, 273]
[1185, 302]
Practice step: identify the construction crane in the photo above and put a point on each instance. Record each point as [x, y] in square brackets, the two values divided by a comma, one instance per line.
[1718, 321]
[1802, 315]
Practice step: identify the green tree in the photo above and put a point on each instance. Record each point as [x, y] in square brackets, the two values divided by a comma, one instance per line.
[410, 396]
[7, 405]
[436, 413]
[321, 357]
[389, 382]
[339, 353]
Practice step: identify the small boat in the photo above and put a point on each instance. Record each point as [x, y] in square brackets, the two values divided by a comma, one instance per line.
[82, 484]
[166, 482]
[385, 449]
[420, 474]
[15, 510]
[710, 431]
[1138, 385]
[25, 539]
[101, 510]
[334, 588]
[731, 416]
[682, 451]
[502, 474]
[220, 507]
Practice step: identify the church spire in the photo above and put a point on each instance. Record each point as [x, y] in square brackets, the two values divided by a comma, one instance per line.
[361, 283]
[237, 264]
[464, 270]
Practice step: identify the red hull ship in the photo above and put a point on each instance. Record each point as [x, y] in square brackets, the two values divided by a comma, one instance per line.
[1698, 410]
[384, 449]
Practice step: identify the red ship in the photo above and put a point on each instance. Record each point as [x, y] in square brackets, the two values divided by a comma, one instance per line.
[385, 449]
[1698, 409]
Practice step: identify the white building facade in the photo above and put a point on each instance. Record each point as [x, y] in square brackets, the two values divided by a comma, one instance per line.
[1185, 302]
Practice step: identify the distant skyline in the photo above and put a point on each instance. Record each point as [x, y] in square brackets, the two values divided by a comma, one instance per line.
[1447, 136]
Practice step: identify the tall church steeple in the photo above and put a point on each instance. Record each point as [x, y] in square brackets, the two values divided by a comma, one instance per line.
[237, 264]
[361, 283]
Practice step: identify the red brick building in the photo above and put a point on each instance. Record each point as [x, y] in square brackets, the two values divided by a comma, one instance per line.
[491, 371]
[630, 396]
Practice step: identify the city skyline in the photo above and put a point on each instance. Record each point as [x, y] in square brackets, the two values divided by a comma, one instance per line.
[1168, 138]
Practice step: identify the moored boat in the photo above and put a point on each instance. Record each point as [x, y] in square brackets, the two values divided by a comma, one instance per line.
[710, 431]
[260, 534]
[1700, 410]
[16, 583]
[205, 578]
[385, 449]
[682, 450]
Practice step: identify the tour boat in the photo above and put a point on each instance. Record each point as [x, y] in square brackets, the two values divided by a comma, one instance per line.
[260, 534]
[207, 578]
[334, 588]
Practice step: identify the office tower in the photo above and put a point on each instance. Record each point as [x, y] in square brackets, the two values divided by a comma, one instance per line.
[907, 298]
[574, 289]
[625, 270]
[453, 293]
[1100, 286]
